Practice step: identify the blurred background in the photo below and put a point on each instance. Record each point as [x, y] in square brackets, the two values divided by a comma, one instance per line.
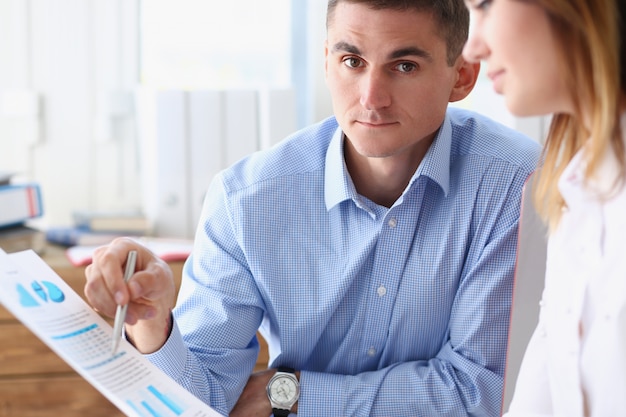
[132, 106]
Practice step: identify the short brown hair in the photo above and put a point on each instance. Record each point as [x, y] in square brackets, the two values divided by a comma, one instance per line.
[452, 18]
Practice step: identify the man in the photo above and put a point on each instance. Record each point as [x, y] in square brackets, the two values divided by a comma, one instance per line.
[374, 251]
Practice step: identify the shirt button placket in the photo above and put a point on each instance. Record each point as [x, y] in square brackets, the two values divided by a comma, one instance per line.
[371, 352]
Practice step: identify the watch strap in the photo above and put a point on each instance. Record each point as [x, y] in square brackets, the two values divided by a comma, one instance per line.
[285, 369]
[280, 412]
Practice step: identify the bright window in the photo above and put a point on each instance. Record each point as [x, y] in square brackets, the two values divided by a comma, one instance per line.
[216, 44]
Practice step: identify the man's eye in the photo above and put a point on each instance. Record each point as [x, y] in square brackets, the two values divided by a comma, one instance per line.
[406, 67]
[352, 62]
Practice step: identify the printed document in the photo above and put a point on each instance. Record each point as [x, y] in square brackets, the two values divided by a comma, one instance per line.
[56, 314]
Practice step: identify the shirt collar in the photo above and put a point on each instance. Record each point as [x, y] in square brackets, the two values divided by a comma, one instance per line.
[572, 184]
[435, 165]
[338, 185]
[436, 162]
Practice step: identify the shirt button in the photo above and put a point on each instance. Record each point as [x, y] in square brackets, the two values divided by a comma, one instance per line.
[392, 222]
[381, 291]
[371, 351]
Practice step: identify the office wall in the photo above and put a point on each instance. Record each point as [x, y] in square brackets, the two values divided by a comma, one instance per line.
[67, 68]
[68, 73]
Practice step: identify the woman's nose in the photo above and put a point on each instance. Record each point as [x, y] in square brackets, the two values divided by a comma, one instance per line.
[475, 48]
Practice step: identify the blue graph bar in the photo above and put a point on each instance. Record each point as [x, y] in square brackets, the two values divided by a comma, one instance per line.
[152, 411]
[134, 407]
[176, 409]
[76, 333]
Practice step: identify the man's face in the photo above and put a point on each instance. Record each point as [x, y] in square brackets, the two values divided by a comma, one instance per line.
[389, 79]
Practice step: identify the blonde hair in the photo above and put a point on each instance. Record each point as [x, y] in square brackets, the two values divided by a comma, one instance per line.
[591, 33]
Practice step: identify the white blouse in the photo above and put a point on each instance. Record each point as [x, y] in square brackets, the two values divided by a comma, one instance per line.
[575, 363]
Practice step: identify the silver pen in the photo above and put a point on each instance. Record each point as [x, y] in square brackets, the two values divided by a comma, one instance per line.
[120, 313]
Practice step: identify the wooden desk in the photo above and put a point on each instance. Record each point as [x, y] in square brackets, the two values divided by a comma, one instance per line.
[35, 382]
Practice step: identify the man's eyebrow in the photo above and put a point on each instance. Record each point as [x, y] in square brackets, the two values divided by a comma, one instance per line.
[346, 47]
[411, 51]
[399, 53]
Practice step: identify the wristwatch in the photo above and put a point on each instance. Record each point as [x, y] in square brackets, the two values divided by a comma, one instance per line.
[283, 390]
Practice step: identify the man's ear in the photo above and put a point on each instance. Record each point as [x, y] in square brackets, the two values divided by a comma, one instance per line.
[326, 58]
[467, 74]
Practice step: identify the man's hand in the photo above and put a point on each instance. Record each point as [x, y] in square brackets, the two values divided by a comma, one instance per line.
[253, 401]
[150, 292]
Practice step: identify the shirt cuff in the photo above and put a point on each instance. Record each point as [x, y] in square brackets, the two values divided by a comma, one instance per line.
[172, 356]
[316, 401]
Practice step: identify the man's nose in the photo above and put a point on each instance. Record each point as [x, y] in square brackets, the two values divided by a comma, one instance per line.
[375, 90]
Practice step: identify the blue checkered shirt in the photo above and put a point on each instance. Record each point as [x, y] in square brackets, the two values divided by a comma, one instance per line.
[399, 311]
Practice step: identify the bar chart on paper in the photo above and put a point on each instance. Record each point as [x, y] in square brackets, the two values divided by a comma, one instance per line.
[152, 402]
[91, 346]
[61, 319]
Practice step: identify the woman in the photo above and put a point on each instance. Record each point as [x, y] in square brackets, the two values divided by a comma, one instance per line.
[567, 57]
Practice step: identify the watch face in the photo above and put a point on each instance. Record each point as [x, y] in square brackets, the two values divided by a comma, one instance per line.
[284, 390]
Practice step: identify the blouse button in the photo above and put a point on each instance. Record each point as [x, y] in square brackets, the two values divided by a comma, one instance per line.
[371, 351]
[392, 222]
[381, 291]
